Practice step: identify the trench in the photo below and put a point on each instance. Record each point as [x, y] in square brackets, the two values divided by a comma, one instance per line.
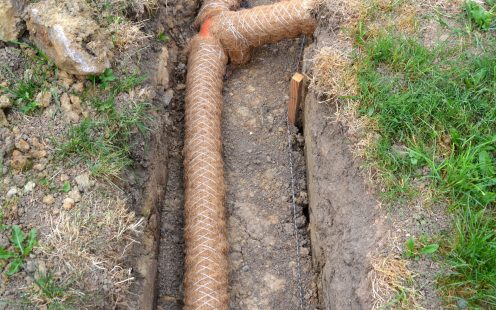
[267, 270]
[264, 269]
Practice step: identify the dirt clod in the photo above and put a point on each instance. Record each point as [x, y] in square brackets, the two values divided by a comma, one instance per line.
[68, 203]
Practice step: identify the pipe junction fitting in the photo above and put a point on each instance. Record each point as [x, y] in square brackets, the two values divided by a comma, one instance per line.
[222, 33]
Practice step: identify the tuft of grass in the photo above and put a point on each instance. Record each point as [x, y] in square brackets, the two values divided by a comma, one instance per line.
[478, 15]
[473, 259]
[54, 294]
[24, 90]
[104, 142]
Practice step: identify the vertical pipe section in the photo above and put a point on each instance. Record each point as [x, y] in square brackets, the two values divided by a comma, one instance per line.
[206, 276]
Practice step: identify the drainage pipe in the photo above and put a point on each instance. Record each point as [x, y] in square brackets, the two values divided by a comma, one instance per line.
[222, 33]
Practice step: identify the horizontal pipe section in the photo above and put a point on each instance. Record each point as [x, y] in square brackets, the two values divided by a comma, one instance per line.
[240, 31]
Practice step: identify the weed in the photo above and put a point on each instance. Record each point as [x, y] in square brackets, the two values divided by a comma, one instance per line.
[22, 246]
[66, 187]
[103, 79]
[162, 37]
[55, 294]
[415, 251]
[479, 15]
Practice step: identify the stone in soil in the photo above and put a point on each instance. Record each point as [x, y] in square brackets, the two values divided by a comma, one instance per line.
[83, 181]
[68, 204]
[19, 162]
[44, 98]
[49, 200]
[69, 36]
[11, 24]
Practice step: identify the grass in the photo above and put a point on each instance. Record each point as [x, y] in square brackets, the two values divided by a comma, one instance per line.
[434, 112]
[23, 91]
[104, 141]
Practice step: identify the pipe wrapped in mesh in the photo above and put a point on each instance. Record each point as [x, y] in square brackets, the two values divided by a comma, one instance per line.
[206, 274]
[213, 7]
[240, 31]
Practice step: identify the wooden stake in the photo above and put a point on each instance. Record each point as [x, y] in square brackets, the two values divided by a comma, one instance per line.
[295, 96]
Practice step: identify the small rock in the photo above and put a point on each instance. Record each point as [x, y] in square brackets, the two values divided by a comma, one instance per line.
[3, 119]
[29, 187]
[5, 101]
[22, 145]
[65, 79]
[78, 87]
[68, 203]
[162, 75]
[76, 103]
[73, 116]
[11, 26]
[83, 181]
[4, 241]
[64, 177]
[75, 195]
[38, 153]
[39, 167]
[71, 38]
[48, 200]
[44, 98]
[167, 98]
[19, 161]
[36, 143]
[65, 102]
[12, 192]
[304, 252]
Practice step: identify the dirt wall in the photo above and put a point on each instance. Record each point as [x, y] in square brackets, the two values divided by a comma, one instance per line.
[342, 213]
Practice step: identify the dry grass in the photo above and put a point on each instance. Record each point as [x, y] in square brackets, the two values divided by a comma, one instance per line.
[332, 74]
[391, 284]
[90, 244]
[127, 35]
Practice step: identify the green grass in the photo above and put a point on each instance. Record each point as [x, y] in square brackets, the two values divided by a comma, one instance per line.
[435, 112]
[23, 91]
[104, 142]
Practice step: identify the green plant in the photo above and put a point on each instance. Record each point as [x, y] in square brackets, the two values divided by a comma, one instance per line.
[55, 293]
[23, 90]
[479, 15]
[103, 79]
[66, 187]
[162, 37]
[22, 246]
[472, 258]
[416, 251]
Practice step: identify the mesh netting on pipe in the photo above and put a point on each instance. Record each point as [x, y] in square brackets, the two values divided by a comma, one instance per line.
[240, 31]
[213, 7]
[206, 272]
